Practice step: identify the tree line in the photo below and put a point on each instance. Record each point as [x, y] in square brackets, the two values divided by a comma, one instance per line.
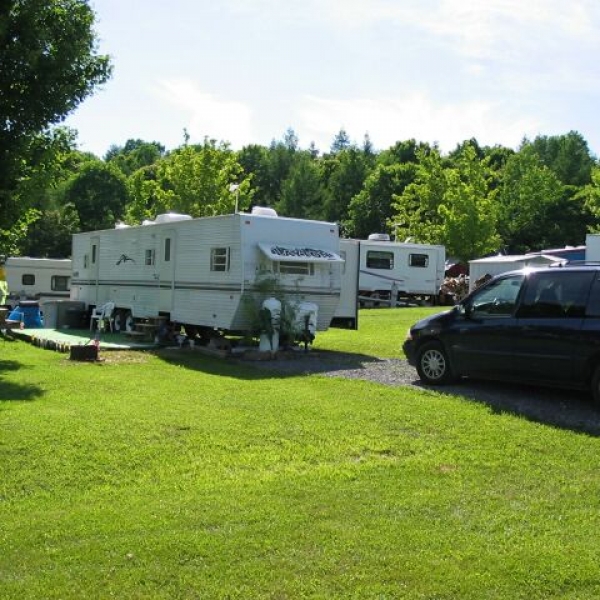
[475, 200]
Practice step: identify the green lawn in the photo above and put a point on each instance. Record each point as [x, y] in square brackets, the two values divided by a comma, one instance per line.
[181, 476]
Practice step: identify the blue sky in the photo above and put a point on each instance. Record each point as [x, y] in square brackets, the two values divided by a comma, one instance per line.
[244, 71]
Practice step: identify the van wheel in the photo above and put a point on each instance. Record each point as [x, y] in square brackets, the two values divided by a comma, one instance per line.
[433, 365]
[596, 386]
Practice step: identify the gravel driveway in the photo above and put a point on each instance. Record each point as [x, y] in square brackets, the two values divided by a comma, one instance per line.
[558, 408]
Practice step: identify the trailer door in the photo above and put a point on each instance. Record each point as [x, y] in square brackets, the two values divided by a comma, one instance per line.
[95, 267]
[166, 270]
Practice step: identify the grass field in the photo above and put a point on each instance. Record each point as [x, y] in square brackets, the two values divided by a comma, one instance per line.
[180, 476]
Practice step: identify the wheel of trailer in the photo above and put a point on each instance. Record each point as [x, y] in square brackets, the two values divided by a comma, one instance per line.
[119, 323]
[124, 321]
[433, 365]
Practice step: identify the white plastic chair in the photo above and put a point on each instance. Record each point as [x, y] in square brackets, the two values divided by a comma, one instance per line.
[103, 313]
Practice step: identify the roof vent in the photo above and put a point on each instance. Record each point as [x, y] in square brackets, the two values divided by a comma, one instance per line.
[171, 217]
[379, 237]
[264, 211]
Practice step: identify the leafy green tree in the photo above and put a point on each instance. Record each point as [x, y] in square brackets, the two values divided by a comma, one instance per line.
[193, 180]
[449, 205]
[468, 211]
[590, 196]
[50, 236]
[254, 160]
[370, 211]
[526, 198]
[302, 193]
[99, 195]
[346, 172]
[402, 152]
[48, 65]
[134, 155]
[568, 156]
[416, 210]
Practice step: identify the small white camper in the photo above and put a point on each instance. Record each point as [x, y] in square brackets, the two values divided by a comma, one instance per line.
[495, 265]
[390, 272]
[37, 278]
[210, 273]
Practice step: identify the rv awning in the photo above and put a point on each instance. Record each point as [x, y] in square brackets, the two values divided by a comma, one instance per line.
[298, 253]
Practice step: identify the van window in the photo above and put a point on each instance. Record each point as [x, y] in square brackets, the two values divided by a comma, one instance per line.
[556, 294]
[376, 259]
[28, 279]
[498, 299]
[418, 260]
[59, 283]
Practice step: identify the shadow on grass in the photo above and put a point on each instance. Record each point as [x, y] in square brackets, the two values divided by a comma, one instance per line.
[14, 392]
[313, 362]
[563, 409]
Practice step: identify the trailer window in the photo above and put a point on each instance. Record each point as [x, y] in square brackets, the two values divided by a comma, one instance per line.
[28, 279]
[219, 259]
[294, 268]
[149, 261]
[167, 249]
[376, 259]
[59, 283]
[93, 254]
[418, 260]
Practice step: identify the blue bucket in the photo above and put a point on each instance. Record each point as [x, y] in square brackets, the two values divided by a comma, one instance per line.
[28, 313]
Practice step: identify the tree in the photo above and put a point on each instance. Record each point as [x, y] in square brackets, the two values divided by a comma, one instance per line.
[48, 65]
[345, 176]
[450, 205]
[590, 196]
[370, 211]
[302, 194]
[526, 197]
[341, 142]
[134, 155]
[416, 209]
[568, 156]
[468, 212]
[194, 180]
[99, 195]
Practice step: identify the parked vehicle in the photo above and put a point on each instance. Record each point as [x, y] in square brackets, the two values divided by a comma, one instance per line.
[208, 274]
[392, 272]
[38, 279]
[538, 325]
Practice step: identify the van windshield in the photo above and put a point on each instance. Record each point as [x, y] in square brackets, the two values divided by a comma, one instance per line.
[499, 298]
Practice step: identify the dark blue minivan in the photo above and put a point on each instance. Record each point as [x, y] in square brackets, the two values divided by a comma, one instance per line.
[537, 325]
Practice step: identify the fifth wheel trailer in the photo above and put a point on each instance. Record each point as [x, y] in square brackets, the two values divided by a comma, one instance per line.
[209, 272]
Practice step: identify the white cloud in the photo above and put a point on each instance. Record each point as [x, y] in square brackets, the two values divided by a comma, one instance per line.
[207, 114]
[416, 116]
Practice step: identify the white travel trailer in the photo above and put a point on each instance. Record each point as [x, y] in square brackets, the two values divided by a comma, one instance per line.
[37, 279]
[390, 272]
[208, 273]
